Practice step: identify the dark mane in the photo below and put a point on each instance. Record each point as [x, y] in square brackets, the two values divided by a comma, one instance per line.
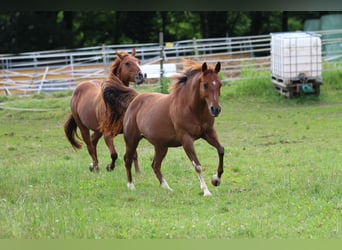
[113, 70]
[190, 69]
[117, 97]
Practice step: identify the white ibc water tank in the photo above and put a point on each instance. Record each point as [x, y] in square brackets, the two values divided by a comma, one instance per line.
[295, 53]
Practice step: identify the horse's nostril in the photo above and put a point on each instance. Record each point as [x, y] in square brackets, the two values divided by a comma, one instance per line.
[139, 78]
[140, 75]
[215, 111]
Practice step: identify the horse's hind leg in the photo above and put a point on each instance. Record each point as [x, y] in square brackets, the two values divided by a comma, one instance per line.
[94, 140]
[113, 153]
[159, 154]
[91, 147]
[131, 146]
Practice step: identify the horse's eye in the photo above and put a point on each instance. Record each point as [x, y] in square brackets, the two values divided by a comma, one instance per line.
[205, 85]
[127, 64]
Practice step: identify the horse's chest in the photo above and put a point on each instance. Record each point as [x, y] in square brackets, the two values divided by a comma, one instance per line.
[198, 131]
[193, 128]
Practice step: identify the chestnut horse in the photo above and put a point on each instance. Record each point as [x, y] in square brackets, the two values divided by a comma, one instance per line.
[176, 119]
[88, 109]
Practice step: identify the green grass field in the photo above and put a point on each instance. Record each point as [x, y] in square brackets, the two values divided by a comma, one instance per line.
[282, 179]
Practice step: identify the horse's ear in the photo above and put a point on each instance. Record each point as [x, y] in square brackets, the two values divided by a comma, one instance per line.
[218, 67]
[204, 67]
[119, 55]
[133, 52]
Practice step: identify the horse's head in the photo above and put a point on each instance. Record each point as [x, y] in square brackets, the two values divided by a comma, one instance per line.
[128, 69]
[210, 85]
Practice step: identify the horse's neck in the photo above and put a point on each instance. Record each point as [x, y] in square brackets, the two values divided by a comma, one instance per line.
[191, 100]
[124, 80]
[118, 76]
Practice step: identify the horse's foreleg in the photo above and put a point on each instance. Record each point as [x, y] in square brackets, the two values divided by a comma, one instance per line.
[113, 153]
[159, 154]
[94, 140]
[212, 139]
[188, 146]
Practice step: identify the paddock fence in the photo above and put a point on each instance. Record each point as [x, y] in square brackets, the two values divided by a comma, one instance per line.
[57, 70]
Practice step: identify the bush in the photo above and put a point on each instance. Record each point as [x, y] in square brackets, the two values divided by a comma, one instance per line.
[164, 85]
[254, 83]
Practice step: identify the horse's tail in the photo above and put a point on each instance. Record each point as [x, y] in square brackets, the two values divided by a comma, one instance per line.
[70, 128]
[117, 97]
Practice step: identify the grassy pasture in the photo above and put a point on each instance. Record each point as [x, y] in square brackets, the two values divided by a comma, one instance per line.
[282, 179]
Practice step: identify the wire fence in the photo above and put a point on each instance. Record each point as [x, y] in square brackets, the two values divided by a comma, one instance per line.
[34, 72]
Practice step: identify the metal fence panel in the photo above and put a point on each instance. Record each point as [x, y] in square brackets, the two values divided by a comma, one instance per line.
[34, 72]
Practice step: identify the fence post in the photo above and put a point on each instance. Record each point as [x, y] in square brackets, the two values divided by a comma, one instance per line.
[104, 57]
[161, 44]
[35, 66]
[42, 81]
[194, 41]
[71, 67]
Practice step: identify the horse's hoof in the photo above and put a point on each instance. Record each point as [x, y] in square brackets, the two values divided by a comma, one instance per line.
[110, 168]
[215, 180]
[206, 193]
[130, 186]
[94, 169]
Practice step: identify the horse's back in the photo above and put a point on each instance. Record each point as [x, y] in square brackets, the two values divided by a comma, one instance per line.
[143, 107]
[88, 86]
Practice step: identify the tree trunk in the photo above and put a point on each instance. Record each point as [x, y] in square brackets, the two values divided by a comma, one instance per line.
[284, 23]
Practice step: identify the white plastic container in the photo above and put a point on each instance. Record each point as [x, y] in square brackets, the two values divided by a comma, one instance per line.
[295, 53]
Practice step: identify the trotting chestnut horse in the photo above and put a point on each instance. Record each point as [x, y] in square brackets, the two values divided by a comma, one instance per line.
[176, 119]
[88, 109]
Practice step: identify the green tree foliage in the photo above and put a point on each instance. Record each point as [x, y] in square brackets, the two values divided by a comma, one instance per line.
[23, 31]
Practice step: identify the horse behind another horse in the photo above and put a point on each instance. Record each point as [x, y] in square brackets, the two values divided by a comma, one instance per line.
[88, 110]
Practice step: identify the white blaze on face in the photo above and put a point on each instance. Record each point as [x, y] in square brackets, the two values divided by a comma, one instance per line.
[215, 97]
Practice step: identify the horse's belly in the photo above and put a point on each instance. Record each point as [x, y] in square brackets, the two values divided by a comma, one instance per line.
[158, 129]
[159, 133]
[162, 140]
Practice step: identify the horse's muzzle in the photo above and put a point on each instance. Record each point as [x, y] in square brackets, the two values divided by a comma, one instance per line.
[140, 77]
[215, 111]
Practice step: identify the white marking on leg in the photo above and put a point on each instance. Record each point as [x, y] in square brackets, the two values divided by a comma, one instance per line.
[204, 186]
[165, 185]
[130, 186]
[206, 193]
